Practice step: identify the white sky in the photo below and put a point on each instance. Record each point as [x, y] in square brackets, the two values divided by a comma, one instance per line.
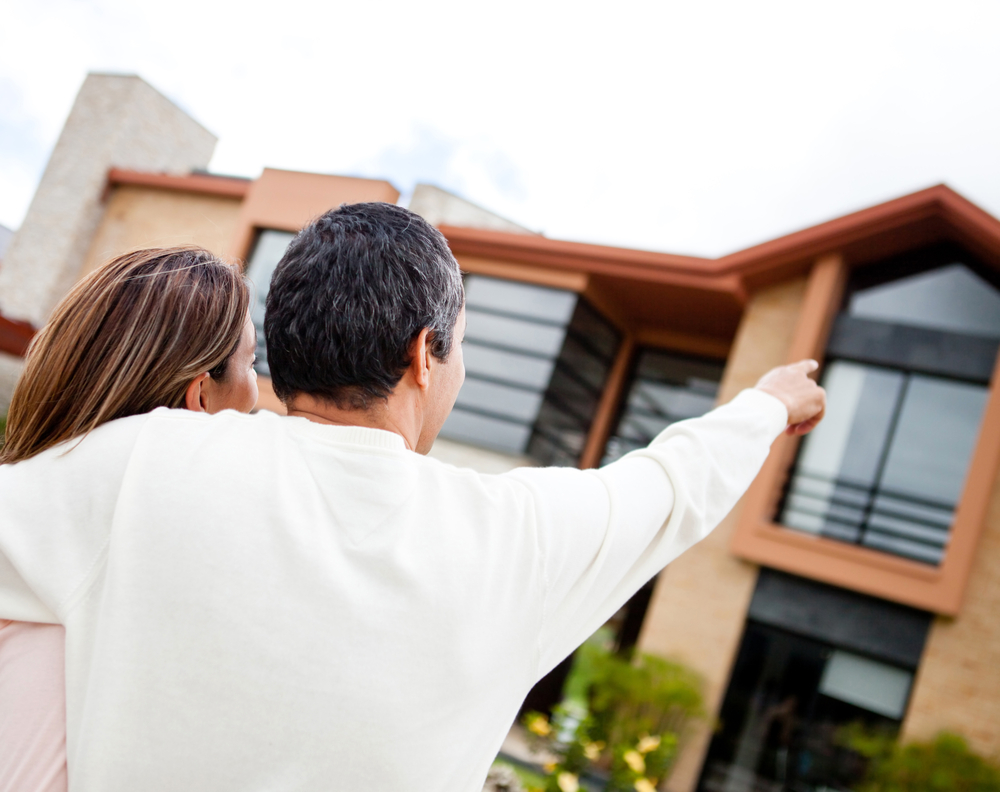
[696, 127]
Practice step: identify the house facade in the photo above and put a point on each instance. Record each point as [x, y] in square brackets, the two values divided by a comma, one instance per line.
[859, 578]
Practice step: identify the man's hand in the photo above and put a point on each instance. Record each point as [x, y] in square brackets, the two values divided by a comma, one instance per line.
[805, 400]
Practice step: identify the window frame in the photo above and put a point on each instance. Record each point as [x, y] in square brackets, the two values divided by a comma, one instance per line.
[760, 539]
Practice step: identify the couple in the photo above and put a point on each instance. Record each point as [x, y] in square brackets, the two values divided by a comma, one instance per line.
[303, 602]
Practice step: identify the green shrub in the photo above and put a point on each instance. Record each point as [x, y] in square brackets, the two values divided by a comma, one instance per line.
[624, 718]
[945, 764]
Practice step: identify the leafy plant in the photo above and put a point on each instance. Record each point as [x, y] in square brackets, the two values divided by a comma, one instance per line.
[625, 718]
[944, 764]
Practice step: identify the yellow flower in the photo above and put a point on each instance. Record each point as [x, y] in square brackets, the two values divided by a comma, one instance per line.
[645, 785]
[647, 744]
[540, 725]
[592, 750]
[634, 760]
[567, 782]
[550, 767]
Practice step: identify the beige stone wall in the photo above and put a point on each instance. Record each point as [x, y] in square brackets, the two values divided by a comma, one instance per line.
[699, 606]
[116, 121]
[958, 684]
[137, 217]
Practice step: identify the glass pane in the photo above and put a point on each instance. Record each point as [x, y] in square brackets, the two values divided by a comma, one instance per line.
[513, 333]
[951, 298]
[840, 459]
[786, 701]
[887, 465]
[514, 336]
[510, 437]
[270, 247]
[868, 684]
[577, 383]
[520, 299]
[504, 400]
[535, 360]
[925, 468]
[510, 366]
[934, 439]
[667, 388]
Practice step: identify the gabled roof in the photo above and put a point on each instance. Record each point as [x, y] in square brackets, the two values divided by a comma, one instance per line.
[932, 215]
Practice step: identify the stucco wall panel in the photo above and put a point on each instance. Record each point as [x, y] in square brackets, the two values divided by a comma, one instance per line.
[699, 606]
[137, 217]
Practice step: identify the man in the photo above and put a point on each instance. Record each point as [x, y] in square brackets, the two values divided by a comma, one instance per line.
[304, 603]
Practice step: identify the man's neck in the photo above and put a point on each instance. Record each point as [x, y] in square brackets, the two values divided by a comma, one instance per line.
[378, 416]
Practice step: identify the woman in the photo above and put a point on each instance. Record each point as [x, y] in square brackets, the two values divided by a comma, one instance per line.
[154, 328]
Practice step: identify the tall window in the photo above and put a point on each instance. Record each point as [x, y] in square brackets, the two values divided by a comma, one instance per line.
[909, 362]
[666, 387]
[267, 252]
[813, 659]
[536, 359]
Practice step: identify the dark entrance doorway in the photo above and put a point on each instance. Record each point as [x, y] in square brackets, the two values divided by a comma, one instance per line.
[813, 660]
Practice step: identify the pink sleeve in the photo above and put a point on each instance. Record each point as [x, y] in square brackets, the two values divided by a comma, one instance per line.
[32, 707]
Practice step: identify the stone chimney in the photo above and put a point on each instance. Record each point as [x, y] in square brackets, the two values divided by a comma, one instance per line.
[117, 120]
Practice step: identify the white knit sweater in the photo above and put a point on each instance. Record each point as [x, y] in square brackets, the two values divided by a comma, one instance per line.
[266, 603]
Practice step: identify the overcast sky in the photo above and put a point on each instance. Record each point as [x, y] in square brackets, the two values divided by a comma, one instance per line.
[696, 127]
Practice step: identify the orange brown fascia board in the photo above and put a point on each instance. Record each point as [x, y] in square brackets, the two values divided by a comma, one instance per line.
[15, 336]
[200, 183]
[931, 215]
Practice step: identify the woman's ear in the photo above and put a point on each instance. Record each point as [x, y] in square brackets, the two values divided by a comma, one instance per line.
[195, 396]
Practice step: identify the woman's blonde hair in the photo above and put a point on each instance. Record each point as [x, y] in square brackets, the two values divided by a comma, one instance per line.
[128, 338]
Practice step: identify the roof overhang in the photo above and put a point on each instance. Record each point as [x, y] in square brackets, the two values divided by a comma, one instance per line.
[706, 296]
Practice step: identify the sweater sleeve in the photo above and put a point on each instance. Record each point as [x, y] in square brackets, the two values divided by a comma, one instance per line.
[56, 513]
[603, 533]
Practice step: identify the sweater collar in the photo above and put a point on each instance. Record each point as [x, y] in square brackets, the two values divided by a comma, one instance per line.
[352, 435]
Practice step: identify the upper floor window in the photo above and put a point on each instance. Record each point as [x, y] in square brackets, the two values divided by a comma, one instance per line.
[536, 359]
[666, 387]
[267, 252]
[908, 366]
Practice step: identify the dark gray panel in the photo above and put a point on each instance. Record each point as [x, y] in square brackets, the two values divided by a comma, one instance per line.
[845, 619]
[914, 348]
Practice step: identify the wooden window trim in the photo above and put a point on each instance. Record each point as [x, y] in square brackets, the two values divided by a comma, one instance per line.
[759, 539]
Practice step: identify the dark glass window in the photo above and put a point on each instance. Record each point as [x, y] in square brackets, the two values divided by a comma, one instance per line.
[786, 701]
[267, 252]
[813, 659]
[906, 379]
[535, 359]
[666, 387]
[951, 298]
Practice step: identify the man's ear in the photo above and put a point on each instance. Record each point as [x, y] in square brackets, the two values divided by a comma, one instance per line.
[420, 359]
[195, 396]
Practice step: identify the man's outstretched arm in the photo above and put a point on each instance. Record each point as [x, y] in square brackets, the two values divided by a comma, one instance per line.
[604, 533]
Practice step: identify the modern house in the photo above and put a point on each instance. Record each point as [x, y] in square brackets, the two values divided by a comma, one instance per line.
[858, 580]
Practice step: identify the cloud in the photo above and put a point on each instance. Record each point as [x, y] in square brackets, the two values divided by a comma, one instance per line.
[472, 168]
[697, 128]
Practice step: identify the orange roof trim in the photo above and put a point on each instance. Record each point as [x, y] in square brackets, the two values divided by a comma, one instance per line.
[15, 336]
[930, 215]
[202, 183]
